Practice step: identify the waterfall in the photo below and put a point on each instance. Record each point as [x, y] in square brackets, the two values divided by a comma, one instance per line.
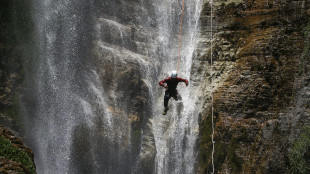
[95, 101]
[60, 101]
[176, 133]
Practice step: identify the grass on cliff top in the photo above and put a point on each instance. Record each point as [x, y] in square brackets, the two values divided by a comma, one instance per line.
[10, 152]
[299, 156]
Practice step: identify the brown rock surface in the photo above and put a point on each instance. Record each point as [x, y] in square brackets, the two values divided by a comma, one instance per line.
[11, 167]
[265, 42]
[17, 142]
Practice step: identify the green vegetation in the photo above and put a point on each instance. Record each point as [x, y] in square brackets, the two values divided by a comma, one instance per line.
[136, 139]
[222, 151]
[206, 147]
[299, 157]
[235, 161]
[10, 152]
[13, 111]
[307, 39]
[306, 55]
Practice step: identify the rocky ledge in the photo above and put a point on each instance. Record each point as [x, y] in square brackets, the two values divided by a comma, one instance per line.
[15, 157]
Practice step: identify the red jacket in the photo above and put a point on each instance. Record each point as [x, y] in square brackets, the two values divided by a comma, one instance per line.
[172, 83]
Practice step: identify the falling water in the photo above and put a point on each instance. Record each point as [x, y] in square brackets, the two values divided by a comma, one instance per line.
[81, 118]
[60, 102]
[176, 133]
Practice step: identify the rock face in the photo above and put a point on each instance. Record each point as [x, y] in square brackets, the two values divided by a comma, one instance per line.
[260, 99]
[9, 64]
[12, 42]
[15, 157]
[121, 56]
[102, 115]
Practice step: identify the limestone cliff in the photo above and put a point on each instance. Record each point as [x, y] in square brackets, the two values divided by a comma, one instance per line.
[261, 86]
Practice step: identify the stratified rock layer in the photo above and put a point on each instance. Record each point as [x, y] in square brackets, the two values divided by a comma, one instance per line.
[259, 108]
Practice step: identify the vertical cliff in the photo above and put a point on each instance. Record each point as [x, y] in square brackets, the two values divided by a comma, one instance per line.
[92, 103]
[13, 33]
[261, 100]
[15, 26]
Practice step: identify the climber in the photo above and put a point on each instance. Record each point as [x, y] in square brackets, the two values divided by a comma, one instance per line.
[171, 91]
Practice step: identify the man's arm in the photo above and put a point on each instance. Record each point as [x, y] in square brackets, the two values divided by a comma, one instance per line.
[161, 83]
[183, 80]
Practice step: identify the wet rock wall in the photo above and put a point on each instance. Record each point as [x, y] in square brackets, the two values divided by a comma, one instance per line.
[258, 108]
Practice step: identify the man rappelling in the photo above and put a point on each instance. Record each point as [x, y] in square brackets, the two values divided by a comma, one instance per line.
[171, 89]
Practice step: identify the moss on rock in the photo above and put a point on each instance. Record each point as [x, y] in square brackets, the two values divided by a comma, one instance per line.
[15, 157]
[299, 156]
[205, 150]
[10, 152]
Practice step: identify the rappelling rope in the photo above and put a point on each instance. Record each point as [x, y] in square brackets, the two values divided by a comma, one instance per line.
[180, 37]
[212, 87]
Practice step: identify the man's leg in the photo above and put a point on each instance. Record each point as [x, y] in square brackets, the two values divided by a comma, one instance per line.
[177, 96]
[166, 100]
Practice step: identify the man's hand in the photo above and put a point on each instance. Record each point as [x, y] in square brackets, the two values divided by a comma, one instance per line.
[166, 87]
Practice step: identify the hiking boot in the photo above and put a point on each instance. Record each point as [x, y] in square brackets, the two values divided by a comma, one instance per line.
[165, 111]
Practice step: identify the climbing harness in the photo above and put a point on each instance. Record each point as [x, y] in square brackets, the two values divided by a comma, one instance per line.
[180, 36]
[212, 87]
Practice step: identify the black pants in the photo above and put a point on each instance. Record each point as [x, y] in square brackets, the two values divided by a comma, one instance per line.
[168, 95]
